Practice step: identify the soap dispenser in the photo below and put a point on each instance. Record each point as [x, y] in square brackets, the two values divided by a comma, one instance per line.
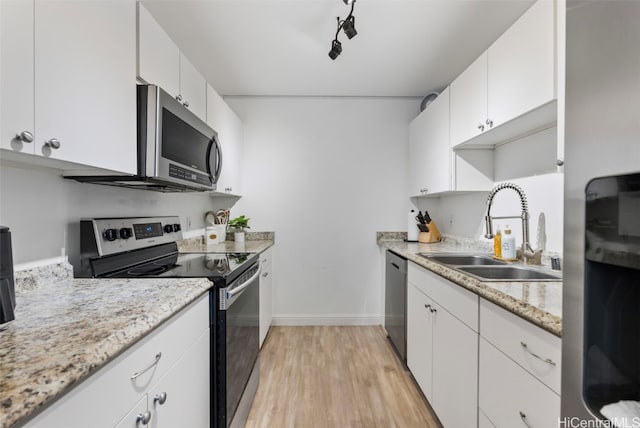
[497, 243]
[508, 245]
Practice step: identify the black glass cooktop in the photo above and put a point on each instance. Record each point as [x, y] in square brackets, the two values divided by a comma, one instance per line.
[192, 265]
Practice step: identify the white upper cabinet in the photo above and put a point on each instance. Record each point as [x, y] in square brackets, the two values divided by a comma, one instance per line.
[193, 88]
[469, 102]
[434, 168]
[161, 63]
[521, 65]
[230, 134]
[85, 98]
[16, 76]
[158, 56]
[429, 154]
[509, 90]
[67, 82]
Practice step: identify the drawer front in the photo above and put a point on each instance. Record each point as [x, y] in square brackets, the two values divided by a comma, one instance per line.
[461, 303]
[509, 396]
[523, 342]
[266, 256]
[107, 395]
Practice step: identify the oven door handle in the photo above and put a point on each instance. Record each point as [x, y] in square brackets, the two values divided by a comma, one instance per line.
[239, 289]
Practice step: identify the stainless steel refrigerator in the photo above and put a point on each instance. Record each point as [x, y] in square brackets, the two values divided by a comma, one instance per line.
[601, 303]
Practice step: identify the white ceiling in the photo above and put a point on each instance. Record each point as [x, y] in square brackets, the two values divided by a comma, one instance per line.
[280, 47]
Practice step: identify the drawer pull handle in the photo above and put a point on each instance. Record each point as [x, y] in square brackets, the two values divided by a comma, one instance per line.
[137, 374]
[524, 419]
[546, 360]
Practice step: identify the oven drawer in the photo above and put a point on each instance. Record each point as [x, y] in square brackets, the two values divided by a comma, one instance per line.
[510, 334]
[105, 397]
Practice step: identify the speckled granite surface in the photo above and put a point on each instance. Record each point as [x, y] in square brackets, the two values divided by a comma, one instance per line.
[65, 329]
[249, 246]
[535, 301]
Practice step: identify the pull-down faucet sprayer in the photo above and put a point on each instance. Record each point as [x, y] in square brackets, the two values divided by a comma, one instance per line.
[527, 251]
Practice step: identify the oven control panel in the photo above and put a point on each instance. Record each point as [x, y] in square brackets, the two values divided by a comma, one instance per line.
[115, 235]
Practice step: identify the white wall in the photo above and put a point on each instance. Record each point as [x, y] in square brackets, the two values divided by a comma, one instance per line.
[43, 210]
[325, 174]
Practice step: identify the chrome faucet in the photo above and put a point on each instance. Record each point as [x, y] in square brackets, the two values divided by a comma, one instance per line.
[527, 252]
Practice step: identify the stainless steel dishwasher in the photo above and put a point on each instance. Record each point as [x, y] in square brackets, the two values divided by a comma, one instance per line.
[395, 311]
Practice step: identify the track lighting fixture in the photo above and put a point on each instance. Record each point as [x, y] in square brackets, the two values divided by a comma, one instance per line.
[349, 27]
[336, 49]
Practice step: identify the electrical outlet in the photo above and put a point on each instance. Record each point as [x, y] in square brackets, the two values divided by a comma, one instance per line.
[450, 219]
[188, 222]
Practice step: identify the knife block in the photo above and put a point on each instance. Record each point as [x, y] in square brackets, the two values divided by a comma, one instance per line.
[433, 235]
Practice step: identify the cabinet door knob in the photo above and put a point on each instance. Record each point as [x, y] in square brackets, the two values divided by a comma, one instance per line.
[143, 418]
[160, 398]
[25, 137]
[186, 104]
[490, 123]
[481, 127]
[179, 97]
[53, 143]
[560, 162]
[266, 274]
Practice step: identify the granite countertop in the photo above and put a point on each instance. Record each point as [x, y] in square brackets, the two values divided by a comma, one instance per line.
[539, 302]
[66, 329]
[256, 242]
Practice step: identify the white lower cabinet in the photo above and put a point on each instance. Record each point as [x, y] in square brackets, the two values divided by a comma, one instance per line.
[519, 370]
[181, 397]
[172, 359]
[442, 346]
[510, 396]
[420, 339]
[266, 293]
[135, 417]
[483, 421]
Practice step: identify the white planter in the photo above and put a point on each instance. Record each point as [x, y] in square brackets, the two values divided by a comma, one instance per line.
[238, 237]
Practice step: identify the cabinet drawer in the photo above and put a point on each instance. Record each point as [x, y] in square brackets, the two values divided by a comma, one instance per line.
[107, 395]
[461, 303]
[510, 396]
[510, 334]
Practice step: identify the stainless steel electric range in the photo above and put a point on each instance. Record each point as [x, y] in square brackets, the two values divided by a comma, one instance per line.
[145, 247]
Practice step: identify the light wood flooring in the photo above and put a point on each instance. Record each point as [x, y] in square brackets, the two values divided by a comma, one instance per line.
[342, 377]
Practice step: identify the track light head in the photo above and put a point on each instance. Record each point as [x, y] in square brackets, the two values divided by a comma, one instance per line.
[336, 49]
[348, 2]
[349, 27]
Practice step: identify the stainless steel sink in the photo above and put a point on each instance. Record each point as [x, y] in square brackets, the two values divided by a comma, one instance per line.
[507, 273]
[462, 259]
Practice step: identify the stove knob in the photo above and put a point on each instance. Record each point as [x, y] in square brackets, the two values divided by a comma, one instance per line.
[168, 228]
[176, 228]
[110, 234]
[125, 233]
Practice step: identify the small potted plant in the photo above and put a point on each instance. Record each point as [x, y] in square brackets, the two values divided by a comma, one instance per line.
[238, 225]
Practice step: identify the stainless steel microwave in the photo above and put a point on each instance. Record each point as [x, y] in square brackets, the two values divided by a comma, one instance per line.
[177, 151]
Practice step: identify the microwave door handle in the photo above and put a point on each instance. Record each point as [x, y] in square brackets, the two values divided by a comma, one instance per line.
[218, 167]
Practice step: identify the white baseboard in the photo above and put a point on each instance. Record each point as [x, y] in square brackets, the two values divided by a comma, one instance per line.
[315, 320]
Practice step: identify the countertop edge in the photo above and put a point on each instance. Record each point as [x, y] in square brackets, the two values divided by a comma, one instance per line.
[25, 413]
[545, 320]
